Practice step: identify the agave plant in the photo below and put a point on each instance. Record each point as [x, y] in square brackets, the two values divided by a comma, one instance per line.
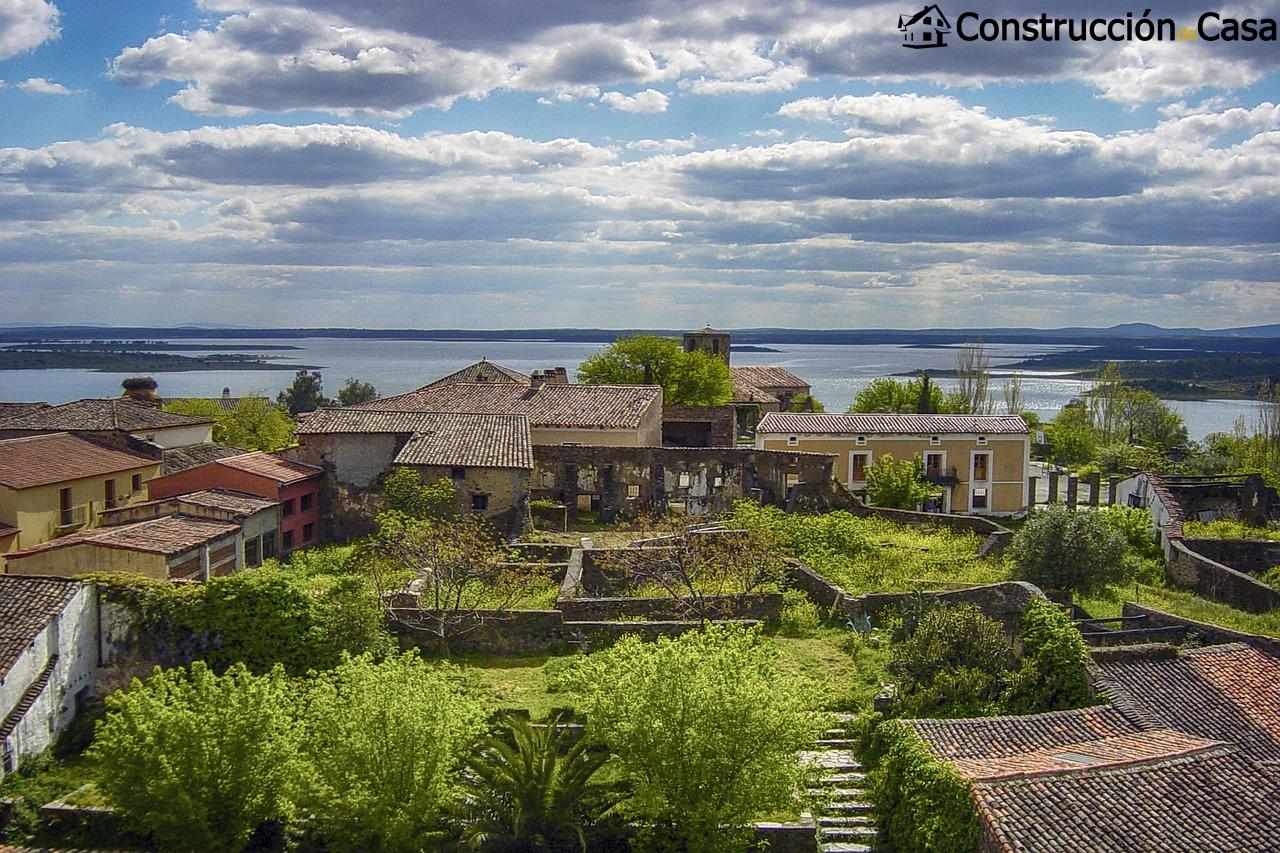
[533, 793]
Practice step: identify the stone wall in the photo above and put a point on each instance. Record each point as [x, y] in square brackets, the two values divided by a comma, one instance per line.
[1209, 634]
[1217, 581]
[765, 606]
[1247, 555]
[634, 481]
[699, 426]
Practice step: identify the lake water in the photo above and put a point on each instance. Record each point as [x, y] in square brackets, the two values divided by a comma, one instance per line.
[836, 372]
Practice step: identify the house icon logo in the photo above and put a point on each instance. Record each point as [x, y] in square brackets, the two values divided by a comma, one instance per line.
[926, 28]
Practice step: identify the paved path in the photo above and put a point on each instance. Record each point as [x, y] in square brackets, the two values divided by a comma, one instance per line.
[845, 823]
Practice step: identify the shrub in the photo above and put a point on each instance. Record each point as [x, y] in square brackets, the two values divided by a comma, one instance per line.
[382, 741]
[955, 664]
[1136, 526]
[1078, 551]
[197, 760]
[404, 492]
[1054, 673]
[1227, 528]
[898, 484]
[921, 803]
[705, 730]
[262, 618]
[800, 616]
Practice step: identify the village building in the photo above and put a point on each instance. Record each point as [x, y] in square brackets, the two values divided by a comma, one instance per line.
[980, 462]
[293, 485]
[1183, 759]
[766, 380]
[48, 657]
[56, 483]
[111, 418]
[177, 459]
[557, 412]
[757, 388]
[258, 518]
[488, 371]
[487, 457]
[171, 547]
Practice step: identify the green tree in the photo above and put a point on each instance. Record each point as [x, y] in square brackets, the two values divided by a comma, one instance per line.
[403, 491]
[306, 394]
[918, 395]
[355, 392]
[531, 789]
[706, 730]
[1106, 403]
[805, 403]
[382, 742]
[1063, 549]
[1054, 675]
[252, 424]
[687, 378]
[899, 484]
[954, 664]
[196, 760]
[1151, 423]
[1073, 437]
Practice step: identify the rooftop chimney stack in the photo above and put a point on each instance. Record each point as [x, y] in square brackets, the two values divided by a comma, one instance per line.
[141, 389]
[536, 379]
[226, 393]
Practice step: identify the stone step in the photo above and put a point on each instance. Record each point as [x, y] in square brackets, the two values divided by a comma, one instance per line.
[843, 716]
[859, 819]
[845, 847]
[851, 777]
[836, 743]
[848, 807]
[849, 833]
[835, 734]
[838, 760]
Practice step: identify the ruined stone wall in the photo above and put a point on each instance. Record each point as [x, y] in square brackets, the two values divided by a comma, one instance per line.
[1247, 555]
[699, 426]
[1217, 581]
[632, 481]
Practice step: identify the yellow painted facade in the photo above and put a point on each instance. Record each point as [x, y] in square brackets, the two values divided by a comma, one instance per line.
[1005, 459]
[88, 557]
[37, 511]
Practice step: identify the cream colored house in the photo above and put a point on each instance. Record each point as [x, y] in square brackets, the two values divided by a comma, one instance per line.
[980, 462]
[56, 484]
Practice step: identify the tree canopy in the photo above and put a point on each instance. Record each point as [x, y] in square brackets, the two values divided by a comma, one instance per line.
[252, 424]
[912, 396]
[355, 392]
[306, 394]
[687, 378]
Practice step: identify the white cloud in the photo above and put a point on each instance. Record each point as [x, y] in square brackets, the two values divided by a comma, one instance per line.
[648, 101]
[25, 24]
[41, 86]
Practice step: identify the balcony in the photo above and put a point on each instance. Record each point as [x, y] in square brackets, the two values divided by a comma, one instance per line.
[941, 476]
[73, 516]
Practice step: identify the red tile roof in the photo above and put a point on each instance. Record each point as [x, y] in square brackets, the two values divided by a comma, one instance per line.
[227, 499]
[745, 392]
[41, 460]
[283, 471]
[181, 458]
[100, 415]
[479, 441]
[168, 535]
[551, 406]
[768, 376]
[870, 424]
[484, 371]
[27, 605]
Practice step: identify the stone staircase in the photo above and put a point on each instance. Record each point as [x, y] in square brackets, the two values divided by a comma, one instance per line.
[1127, 631]
[845, 823]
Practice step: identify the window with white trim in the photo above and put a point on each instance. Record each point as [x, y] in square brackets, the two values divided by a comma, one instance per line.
[982, 441]
[861, 441]
[793, 440]
[935, 440]
[858, 465]
[979, 499]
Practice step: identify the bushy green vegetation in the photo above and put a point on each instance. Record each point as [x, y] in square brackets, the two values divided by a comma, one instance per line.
[687, 378]
[252, 424]
[1189, 606]
[873, 554]
[1063, 549]
[1228, 528]
[404, 492]
[922, 803]
[704, 729]
[899, 484]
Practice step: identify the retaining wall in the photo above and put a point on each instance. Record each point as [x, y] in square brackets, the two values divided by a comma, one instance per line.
[1217, 581]
[1211, 634]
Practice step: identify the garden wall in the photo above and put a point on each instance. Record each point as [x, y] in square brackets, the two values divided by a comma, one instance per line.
[763, 606]
[1247, 555]
[1210, 634]
[1217, 581]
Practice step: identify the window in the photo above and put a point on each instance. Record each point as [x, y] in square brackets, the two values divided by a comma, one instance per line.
[458, 472]
[979, 499]
[633, 491]
[287, 536]
[288, 509]
[792, 480]
[109, 492]
[684, 481]
[64, 507]
[982, 441]
[928, 36]
[307, 501]
[981, 467]
[793, 440]
[269, 545]
[479, 502]
[252, 552]
[858, 464]
[861, 441]
[935, 440]
[933, 465]
[136, 483]
[308, 532]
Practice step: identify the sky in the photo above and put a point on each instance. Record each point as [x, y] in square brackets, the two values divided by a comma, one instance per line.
[628, 164]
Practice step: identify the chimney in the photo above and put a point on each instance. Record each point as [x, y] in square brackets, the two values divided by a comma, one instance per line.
[226, 393]
[562, 376]
[537, 379]
[141, 389]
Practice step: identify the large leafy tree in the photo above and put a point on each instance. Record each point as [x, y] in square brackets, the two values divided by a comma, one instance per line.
[198, 761]
[1073, 437]
[356, 392]
[305, 394]
[706, 730]
[912, 396]
[252, 424]
[898, 483]
[687, 378]
[1065, 549]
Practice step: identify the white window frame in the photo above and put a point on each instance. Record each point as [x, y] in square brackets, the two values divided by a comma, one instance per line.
[935, 441]
[943, 467]
[988, 484]
[793, 440]
[982, 441]
[866, 453]
[973, 461]
[860, 441]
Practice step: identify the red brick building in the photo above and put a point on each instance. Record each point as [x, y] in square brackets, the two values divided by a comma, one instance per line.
[294, 485]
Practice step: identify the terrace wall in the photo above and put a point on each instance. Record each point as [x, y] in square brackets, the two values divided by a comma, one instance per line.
[1217, 581]
[1209, 634]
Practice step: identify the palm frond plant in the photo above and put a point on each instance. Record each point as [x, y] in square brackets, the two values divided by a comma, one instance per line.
[533, 791]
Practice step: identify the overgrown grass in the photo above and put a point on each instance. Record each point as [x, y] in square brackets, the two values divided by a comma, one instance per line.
[1189, 606]
[874, 554]
[1227, 528]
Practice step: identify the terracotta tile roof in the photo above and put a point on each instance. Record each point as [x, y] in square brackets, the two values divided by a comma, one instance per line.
[168, 535]
[335, 421]
[1229, 692]
[8, 529]
[9, 410]
[98, 415]
[40, 460]
[993, 737]
[1132, 748]
[483, 371]
[27, 604]
[551, 406]
[768, 376]
[182, 458]
[226, 499]
[745, 392]
[283, 471]
[224, 403]
[867, 424]
[475, 441]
